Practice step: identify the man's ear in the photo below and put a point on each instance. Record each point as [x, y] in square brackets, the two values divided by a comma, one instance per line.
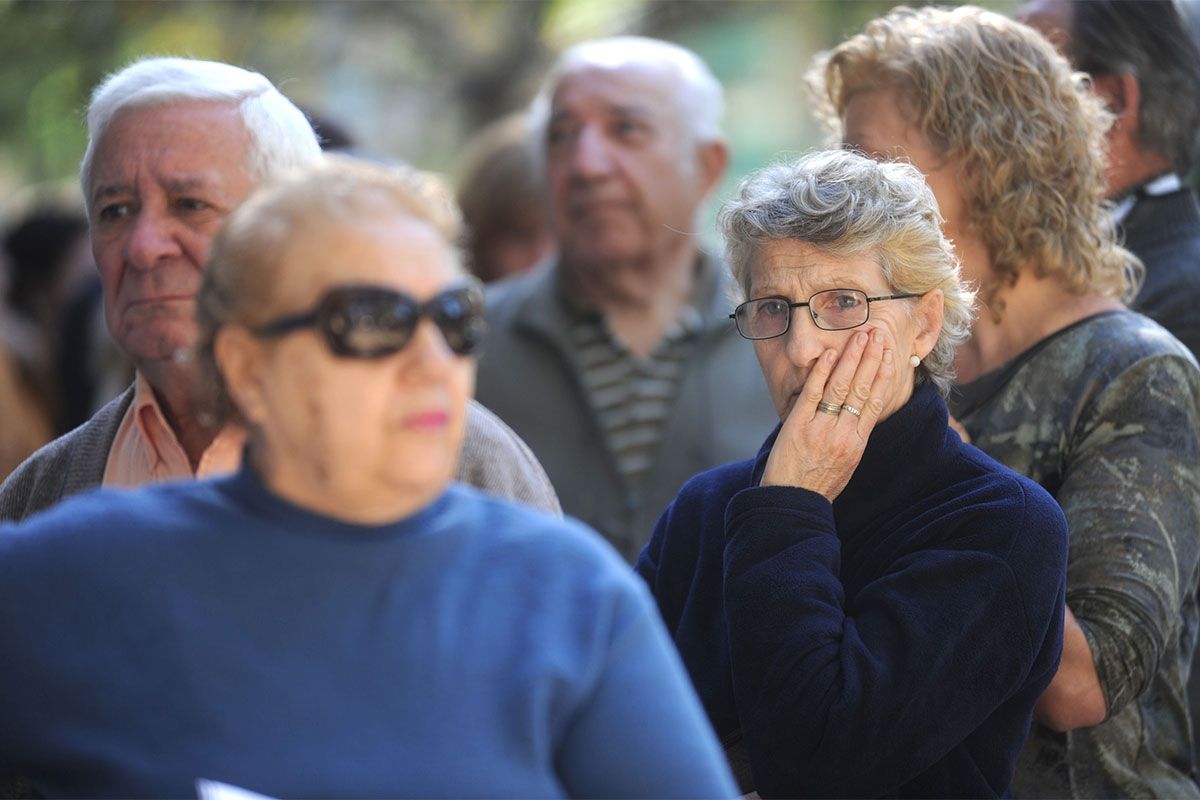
[1122, 95]
[930, 311]
[712, 158]
[238, 355]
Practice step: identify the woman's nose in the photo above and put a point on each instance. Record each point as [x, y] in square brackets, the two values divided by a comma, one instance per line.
[805, 341]
[428, 352]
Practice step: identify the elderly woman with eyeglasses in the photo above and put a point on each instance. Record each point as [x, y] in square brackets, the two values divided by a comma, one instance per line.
[868, 607]
[337, 619]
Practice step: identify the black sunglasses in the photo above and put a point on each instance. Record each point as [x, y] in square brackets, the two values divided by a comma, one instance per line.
[372, 322]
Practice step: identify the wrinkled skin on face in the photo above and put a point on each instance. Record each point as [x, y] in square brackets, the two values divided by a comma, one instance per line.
[163, 180]
[624, 174]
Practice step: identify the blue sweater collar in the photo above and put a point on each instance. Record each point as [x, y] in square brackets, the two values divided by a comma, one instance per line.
[247, 488]
[904, 453]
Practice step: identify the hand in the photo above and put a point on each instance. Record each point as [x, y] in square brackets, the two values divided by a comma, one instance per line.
[959, 429]
[819, 451]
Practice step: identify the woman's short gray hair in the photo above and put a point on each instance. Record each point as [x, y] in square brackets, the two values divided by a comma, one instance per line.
[281, 137]
[249, 253]
[847, 205]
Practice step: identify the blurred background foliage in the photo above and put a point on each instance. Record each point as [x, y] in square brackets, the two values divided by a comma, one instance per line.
[408, 80]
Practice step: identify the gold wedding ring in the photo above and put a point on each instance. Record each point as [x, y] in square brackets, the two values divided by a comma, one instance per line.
[829, 408]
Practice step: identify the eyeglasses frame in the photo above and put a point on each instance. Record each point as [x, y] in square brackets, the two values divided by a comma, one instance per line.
[313, 318]
[808, 304]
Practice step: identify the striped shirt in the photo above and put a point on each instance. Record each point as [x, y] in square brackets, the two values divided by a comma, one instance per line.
[632, 397]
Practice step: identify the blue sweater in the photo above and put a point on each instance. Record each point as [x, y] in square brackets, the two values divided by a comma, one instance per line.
[212, 630]
[891, 643]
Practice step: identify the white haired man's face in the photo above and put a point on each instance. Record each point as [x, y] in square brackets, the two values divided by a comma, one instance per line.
[163, 180]
[624, 172]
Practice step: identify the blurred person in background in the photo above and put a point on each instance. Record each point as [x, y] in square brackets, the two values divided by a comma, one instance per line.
[48, 252]
[337, 619]
[503, 201]
[91, 369]
[25, 423]
[1058, 380]
[616, 361]
[869, 607]
[174, 146]
[1145, 66]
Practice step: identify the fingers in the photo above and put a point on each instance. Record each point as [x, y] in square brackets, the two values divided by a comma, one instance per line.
[837, 388]
[866, 372]
[859, 378]
[877, 397]
[959, 429]
[814, 385]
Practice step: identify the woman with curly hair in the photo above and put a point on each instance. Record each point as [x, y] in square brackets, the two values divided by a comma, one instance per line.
[1058, 380]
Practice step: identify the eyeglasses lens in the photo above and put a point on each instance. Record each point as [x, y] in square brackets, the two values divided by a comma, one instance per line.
[459, 315]
[371, 323]
[838, 309]
[831, 310]
[763, 319]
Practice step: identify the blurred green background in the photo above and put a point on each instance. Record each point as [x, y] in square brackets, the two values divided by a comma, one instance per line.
[410, 80]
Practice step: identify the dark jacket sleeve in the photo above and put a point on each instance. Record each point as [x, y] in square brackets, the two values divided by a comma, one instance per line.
[1131, 494]
[835, 695]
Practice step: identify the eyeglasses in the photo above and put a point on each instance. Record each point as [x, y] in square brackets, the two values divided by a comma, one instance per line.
[372, 322]
[831, 310]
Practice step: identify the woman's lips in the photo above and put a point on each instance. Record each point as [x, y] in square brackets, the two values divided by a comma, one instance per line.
[427, 420]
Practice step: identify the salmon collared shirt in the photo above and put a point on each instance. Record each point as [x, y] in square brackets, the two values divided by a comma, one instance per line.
[146, 450]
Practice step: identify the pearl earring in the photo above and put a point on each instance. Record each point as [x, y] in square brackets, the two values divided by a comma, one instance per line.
[915, 361]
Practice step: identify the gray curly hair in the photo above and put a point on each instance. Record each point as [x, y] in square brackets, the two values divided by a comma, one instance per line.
[848, 205]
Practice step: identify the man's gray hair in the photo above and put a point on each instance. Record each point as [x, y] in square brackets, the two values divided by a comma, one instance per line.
[281, 137]
[701, 101]
[847, 205]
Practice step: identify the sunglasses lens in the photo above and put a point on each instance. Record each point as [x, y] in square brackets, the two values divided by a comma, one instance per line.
[460, 317]
[368, 322]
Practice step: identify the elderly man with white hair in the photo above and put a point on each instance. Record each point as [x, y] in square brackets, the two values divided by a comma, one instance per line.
[174, 146]
[617, 363]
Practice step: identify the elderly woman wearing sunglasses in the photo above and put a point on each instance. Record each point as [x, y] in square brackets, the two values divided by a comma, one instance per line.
[868, 607]
[337, 619]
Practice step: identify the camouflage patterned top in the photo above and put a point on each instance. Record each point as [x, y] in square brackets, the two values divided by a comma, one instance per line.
[1105, 414]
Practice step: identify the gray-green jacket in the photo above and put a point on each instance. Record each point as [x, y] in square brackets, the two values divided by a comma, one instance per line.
[529, 374]
[1106, 416]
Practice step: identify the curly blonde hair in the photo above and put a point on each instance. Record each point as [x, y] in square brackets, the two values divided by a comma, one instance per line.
[992, 94]
[846, 205]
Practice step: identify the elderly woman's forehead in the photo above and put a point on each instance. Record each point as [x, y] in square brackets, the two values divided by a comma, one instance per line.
[396, 250]
[800, 266]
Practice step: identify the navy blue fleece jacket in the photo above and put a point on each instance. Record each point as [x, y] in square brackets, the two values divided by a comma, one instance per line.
[892, 643]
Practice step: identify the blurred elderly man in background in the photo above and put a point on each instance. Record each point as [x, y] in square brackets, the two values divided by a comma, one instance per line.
[174, 145]
[617, 363]
[1145, 66]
